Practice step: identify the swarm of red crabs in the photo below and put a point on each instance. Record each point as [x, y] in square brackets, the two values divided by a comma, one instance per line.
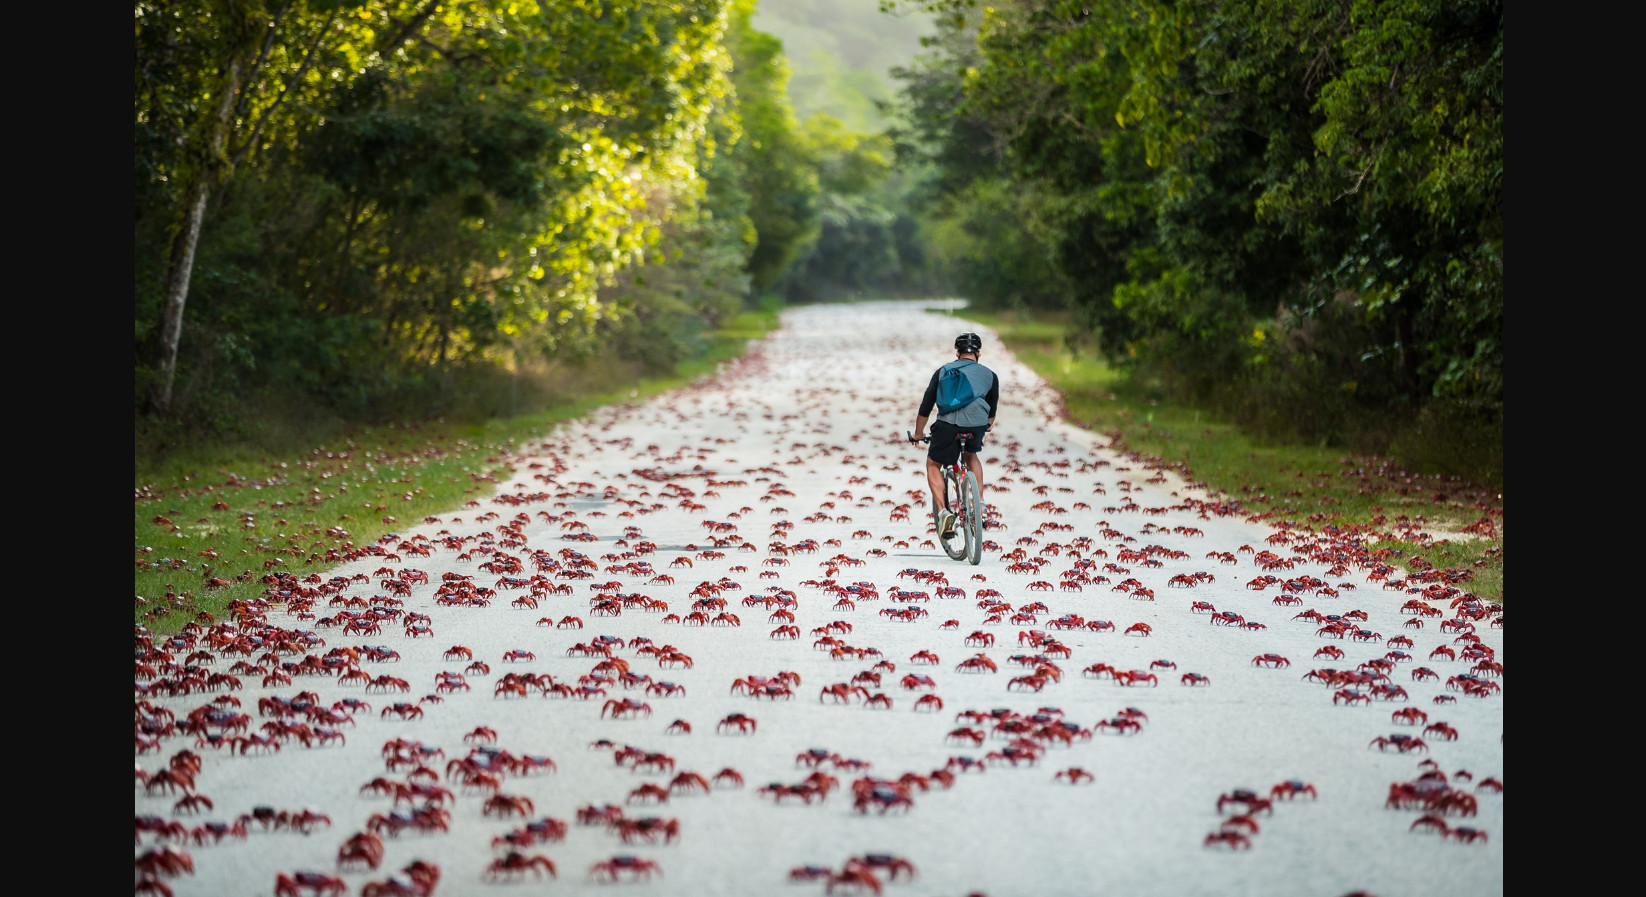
[615, 606]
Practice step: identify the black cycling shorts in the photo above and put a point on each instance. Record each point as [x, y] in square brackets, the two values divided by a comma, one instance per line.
[945, 446]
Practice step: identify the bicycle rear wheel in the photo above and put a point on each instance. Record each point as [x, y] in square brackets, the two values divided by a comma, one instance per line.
[971, 519]
[958, 545]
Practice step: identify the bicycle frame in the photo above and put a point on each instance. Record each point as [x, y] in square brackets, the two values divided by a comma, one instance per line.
[969, 509]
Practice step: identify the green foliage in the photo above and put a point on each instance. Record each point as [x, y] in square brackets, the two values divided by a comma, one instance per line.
[1289, 211]
[407, 200]
[778, 169]
[990, 243]
[861, 245]
[855, 251]
[848, 163]
[826, 86]
[935, 134]
[840, 52]
[844, 220]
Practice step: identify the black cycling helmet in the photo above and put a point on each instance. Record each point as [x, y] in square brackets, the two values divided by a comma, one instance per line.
[969, 343]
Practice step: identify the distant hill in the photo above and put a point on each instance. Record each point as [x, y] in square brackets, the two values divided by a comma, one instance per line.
[840, 54]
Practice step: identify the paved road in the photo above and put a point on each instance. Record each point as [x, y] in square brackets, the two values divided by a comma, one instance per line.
[799, 445]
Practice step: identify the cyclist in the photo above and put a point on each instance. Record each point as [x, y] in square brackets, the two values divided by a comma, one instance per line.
[975, 418]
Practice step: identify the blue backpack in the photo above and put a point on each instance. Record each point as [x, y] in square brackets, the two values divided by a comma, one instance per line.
[954, 389]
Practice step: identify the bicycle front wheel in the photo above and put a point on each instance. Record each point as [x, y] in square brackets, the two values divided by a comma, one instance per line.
[971, 519]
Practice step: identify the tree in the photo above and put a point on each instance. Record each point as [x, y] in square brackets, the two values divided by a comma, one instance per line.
[778, 168]
[413, 185]
[1249, 198]
[215, 76]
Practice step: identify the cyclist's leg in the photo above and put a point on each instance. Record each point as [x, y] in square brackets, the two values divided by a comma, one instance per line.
[941, 457]
[942, 451]
[934, 482]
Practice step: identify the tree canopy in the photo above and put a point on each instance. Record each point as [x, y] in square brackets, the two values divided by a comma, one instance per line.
[1289, 210]
[341, 197]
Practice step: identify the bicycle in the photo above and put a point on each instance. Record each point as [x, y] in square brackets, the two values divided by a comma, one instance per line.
[966, 541]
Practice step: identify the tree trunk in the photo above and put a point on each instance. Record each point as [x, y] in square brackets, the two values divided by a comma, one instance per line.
[177, 293]
[188, 237]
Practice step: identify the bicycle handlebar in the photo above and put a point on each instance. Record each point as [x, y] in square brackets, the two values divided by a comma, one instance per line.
[927, 437]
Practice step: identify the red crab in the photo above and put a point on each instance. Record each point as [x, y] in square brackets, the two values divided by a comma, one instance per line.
[1291, 788]
[742, 723]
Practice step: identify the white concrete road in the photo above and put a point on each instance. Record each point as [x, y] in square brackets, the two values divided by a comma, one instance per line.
[800, 442]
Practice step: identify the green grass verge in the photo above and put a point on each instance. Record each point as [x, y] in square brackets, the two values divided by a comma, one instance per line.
[1423, 522]
[212, 523]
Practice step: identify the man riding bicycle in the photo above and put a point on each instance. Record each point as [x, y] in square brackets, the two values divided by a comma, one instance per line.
[975, 418]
